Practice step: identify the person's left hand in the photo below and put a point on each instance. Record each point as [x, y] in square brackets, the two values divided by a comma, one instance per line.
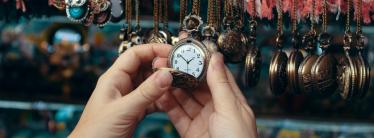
[123, 95]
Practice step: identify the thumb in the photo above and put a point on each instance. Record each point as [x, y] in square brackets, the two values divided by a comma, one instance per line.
[149, 91]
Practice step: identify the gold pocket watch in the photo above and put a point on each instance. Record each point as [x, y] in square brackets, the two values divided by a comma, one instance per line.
[309, 40]
[232, 42]
[278, 68]
[324, 70]
[363, 69]
[278, 64]
[296, 57]
[189, 58]
[347, 70]
[305, 80]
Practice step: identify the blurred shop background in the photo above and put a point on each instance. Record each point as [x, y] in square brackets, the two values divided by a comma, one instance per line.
[49, 67]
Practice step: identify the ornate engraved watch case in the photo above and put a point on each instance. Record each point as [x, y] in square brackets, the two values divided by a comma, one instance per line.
[305, 80]
[324, 70]
[232, 43]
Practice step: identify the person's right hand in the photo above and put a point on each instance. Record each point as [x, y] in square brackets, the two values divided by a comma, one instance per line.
[218, 109]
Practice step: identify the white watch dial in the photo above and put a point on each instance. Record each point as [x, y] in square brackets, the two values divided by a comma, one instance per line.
[188, 58]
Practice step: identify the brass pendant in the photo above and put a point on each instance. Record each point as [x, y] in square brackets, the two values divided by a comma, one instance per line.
[324, 70]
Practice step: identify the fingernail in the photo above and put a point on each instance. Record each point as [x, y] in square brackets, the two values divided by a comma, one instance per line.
[217, 61]
[164, 78]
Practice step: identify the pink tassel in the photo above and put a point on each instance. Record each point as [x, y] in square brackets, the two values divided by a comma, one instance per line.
[249, 8]
[286, 5]
[307, 8]
[266, 10]
[366, 13]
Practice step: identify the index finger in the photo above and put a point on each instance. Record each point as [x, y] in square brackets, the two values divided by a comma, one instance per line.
[119, 76]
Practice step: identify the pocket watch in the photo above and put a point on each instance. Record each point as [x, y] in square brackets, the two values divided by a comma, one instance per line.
[253, 59]
[324, 70]
[365, 68]
[347, 71]
[189, 57]
[232, 43]
[305, 80]
[347, 68]
[278, 68]
[296, 57]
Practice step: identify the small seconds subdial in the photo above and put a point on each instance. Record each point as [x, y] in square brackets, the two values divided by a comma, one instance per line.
[189, 58]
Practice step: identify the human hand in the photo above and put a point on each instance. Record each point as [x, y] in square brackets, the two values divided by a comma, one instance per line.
[217, 109]
[125, 93]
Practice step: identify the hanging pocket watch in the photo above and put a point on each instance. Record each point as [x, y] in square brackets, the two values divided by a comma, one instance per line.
[364, 68]
[232, 43]
[278, 64]
[309, 40]
[324, 70]
[253, 60]
[347, 70]
[296, 57]
[278, 68]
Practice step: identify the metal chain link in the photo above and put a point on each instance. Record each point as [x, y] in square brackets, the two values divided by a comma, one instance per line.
[313, 17]
[280, 17]
[155, 15]
[166, 16]
[293, 17]
[137, 15]
[347, 24]
[359, 16]
[324, 18]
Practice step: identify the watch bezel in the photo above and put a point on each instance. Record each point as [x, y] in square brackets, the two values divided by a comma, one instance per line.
[206, 55]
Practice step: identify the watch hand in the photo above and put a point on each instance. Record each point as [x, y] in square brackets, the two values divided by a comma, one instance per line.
[184, 59]
[190, 60]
